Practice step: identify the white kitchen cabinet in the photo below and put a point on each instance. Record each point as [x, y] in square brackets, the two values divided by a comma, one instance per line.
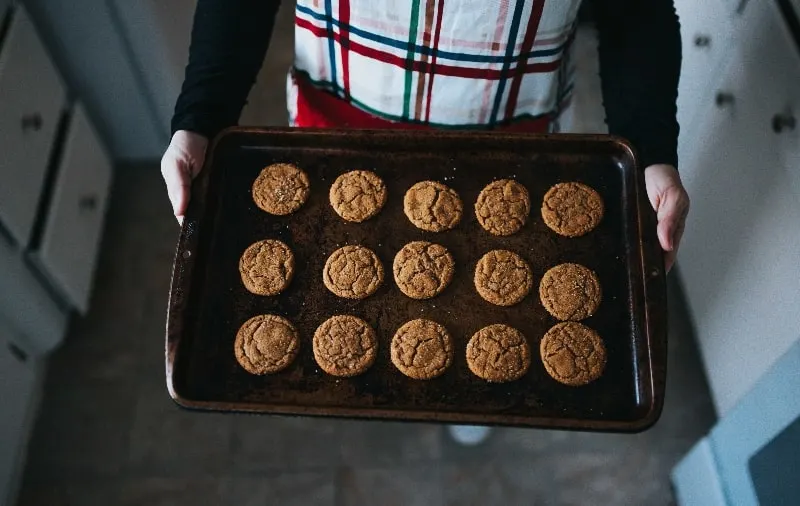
[740, 255]
[18, 391]
[706, 35]
[74, 221]
[32, 98]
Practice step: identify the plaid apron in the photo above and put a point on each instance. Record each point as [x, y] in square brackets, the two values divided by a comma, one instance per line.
[432, 63]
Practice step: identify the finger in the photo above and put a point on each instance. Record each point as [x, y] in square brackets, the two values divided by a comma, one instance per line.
[671, 213]
[180, 220]
[178, 183]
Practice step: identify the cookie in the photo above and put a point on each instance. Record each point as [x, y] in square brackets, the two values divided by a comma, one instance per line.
[503, 207]
[503, 278]
[572, 209]
[573, 354]
[353, 272]
[570, 292]
[358, 195]
[281, 189]
[345, 346]
[498, 353]
[267, 267]
[423, 269]
[432, 206]
[266, 344]
[422, 349]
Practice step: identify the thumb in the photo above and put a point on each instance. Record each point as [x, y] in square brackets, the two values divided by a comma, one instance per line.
[177, 176]
[666, 232]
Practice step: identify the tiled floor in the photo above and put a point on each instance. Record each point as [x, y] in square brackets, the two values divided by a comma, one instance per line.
[108, 434]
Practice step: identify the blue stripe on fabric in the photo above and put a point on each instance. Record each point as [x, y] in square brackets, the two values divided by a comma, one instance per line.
[425, 50]
[328, 17]
[501, 83]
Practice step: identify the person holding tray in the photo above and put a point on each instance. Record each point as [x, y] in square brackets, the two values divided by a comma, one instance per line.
[471, 64]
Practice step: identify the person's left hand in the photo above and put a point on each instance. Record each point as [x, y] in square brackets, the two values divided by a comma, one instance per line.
[671, 204]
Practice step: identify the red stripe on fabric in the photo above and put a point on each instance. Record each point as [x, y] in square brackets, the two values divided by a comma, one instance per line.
[527, 44]
[437, 31]
[344, 44]
[418, 66]
[317, 108]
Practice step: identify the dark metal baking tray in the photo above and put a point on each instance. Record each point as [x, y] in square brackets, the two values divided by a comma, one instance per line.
[208, 302]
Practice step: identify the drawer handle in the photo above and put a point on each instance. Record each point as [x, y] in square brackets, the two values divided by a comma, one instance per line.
[702, 40]
[724, 99]
[781, 122]
[87, 203]
[32, 122]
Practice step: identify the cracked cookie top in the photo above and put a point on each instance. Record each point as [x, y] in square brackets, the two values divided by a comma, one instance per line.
[281, 189]
[266, 344]
[498, 353]
[353, 272]
[423, 269]
[422, 349]
[503, 278]
[345, 346]
[267, 267]
[432, 206]
[573, 354]
[358, 195]
[572, 209]
[503, 207]
[570, 292]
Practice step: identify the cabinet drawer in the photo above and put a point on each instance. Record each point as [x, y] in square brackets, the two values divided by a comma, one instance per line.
[32, 98]
[74, 222]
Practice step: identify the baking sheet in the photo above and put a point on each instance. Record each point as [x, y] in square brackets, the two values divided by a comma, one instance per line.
[208, 302]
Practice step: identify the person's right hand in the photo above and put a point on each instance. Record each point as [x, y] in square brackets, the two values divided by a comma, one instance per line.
[181, 163]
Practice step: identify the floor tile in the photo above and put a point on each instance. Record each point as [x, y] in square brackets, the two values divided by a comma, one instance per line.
[376, 443]
[72, 493]
[281, 488]
[262, 443]
[81, 433]
[169, 492]
[484, 484]
[397, 486]
[167, 440]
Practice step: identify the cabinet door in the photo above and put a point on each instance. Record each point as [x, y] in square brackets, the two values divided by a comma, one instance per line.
[17, 382]
[31, 100]
[74, 222]
[706, 33]
[741, 251]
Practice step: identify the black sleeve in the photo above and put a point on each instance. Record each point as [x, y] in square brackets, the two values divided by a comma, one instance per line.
[229, 41]
[640, 61]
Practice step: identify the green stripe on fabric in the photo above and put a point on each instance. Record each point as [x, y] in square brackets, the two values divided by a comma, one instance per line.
[412, 40]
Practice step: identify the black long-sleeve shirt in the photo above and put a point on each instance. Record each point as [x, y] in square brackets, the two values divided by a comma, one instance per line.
[639, 48]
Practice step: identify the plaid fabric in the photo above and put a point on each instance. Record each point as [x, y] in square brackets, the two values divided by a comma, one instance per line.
[449, 63]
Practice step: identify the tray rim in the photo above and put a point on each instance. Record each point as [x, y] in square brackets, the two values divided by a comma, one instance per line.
[652, 272]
